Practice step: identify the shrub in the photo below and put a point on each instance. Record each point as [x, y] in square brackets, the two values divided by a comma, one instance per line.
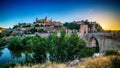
[2, 42]
[27, 41]
[103, 62]
[15, 43]
[115, 61]
[9, 65]
[112, 52]
[2, 35]
[33, 30]
[86, 52]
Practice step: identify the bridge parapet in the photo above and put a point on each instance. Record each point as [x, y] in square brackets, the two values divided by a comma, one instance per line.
[96, 34]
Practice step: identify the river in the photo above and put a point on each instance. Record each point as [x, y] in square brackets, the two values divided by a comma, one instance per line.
[7, 56]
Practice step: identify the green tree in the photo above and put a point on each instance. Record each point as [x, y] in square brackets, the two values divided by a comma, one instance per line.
[1, 35]
[27, 41]
[39, 48]
[15, 26]
[75, 44]
[33, 30]
[15, 43]
[72, 25]
[52, 42]
[2, 42]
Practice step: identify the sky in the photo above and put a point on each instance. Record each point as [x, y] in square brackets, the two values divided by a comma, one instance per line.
[104, 12]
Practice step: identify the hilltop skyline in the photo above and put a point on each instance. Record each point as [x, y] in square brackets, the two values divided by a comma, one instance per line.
[104, 12]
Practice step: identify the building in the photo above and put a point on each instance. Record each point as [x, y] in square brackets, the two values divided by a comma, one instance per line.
[48, 25]
[83, 28]
[88, 27]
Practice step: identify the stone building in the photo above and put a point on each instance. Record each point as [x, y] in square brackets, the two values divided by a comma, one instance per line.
[83, 28]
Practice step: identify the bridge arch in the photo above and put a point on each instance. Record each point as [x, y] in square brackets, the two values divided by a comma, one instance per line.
[94, 43]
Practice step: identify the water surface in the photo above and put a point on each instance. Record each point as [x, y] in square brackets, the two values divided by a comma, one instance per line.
[8, 56]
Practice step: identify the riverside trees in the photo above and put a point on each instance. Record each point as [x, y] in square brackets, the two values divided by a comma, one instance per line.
[60, 48]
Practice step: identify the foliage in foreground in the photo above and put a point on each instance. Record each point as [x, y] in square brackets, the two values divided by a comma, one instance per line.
[9, 65]
[103, 62]
[112, 52]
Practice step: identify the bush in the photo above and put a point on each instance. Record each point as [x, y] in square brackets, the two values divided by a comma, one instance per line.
[115, 61]
[112, 52]
[2, 35]
[86, 52]
[2, 42]
[9, 65]
[72, 25]
[27, 42]
[37, 25]
[33, 30]
[103, 62]
[15, 43]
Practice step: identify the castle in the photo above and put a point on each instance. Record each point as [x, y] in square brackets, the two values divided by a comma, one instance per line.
[47, 23]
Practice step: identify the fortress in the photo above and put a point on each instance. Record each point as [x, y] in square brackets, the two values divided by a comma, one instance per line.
[47, 23]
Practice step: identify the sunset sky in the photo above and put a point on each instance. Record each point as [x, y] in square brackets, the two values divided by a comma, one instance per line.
[105, 12]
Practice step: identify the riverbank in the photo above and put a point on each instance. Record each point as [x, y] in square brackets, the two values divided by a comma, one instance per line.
[98, 62]
[112, 61]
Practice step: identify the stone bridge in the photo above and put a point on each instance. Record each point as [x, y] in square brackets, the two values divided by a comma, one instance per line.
[101, 41]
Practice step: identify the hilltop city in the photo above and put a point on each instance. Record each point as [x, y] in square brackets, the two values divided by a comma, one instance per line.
[49, 26]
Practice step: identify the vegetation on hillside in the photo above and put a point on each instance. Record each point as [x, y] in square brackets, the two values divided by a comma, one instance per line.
[72, 25]
[2, 42]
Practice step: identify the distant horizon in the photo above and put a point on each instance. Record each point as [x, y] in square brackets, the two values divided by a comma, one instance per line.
[104, 12]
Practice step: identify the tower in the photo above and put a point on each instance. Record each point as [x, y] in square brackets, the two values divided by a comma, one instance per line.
[46, 19]
[83, 28]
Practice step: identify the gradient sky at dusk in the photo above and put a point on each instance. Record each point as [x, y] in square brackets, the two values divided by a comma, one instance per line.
[105, 12]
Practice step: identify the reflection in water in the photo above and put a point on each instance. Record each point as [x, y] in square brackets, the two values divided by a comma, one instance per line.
[10, 56]
[26, 56]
